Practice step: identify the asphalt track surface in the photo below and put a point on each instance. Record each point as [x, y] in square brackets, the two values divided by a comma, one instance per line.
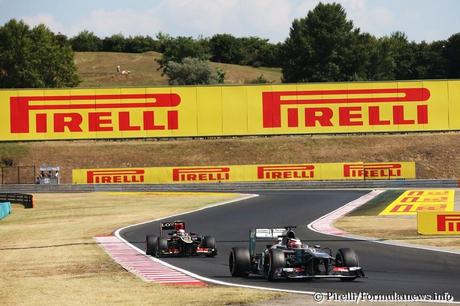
[388, 268]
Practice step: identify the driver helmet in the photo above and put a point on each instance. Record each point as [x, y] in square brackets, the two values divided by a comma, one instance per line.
[294, 244]
[181, 232]
[179, 226]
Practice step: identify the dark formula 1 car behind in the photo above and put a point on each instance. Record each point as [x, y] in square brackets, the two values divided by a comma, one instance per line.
[290, 259]
[179, 242]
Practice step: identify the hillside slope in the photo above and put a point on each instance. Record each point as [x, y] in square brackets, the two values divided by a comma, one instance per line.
[98, 69]
[435, 155]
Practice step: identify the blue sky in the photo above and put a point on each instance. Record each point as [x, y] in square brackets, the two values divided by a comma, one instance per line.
[420, 19]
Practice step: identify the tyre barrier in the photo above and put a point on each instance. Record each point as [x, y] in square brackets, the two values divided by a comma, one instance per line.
[5, 209]
[18, 198]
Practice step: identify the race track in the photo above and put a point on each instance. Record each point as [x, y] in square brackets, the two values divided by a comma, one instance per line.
[388, 268]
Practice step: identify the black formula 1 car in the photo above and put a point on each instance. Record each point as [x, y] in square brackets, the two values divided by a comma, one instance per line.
[179, 242]
[289, 258]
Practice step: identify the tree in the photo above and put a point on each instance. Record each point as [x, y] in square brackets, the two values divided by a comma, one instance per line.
[62, 39]
[140, 44]
[452, 55]
[322, 47]
[192, 71]
[429, 62]
[256, 51]
[253, 51]
[176, 49]
[34, 58]
[226, 48]
[86, 41]
[403, 53]
[271, 55]
[114, 43]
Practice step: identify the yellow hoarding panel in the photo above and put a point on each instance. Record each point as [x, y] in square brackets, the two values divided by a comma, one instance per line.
[379, 115]
[234, 109]
[413, 201]
[209, 110]
[438, 223]
[187, 115]
[160, 115]
[76, 124]
[454, 104]
[230, 110]
[352, 116]
[131, 123]
[5, 116]
[229, 173]
[256, 116]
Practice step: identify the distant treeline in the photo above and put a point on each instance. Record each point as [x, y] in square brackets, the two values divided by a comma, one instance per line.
[222, 48]
[324, 46]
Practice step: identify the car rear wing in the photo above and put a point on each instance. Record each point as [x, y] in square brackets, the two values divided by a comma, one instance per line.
[258, 234]
[171, 226]
[261, 233]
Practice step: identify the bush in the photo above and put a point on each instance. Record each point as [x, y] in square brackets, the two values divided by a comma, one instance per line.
[192, 71]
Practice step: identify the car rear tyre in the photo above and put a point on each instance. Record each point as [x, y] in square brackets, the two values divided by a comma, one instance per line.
[346, 258]
[151, 245]
[276, 261]
[239, 262]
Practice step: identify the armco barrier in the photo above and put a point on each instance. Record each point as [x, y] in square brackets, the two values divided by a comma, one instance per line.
[25, 199]
[5, 209]
[234, 186]
[231, 110]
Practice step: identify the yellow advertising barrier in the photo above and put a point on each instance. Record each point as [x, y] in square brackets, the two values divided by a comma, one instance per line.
[229, 110]
[413, 201]
[245, 173]
[438, 223]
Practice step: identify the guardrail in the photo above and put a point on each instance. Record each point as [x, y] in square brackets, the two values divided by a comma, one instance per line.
[246, 186]
[25, 199]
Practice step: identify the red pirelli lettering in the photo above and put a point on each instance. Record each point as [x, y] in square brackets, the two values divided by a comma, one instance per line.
[108, 176]
[201, 174]
[448, 223]
[286, 172]
[67, 118]
[317, 112]
[384, 170]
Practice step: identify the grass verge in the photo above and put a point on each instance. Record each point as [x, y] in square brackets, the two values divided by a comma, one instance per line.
[49, 255]
[365, 221]
[377, 204]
